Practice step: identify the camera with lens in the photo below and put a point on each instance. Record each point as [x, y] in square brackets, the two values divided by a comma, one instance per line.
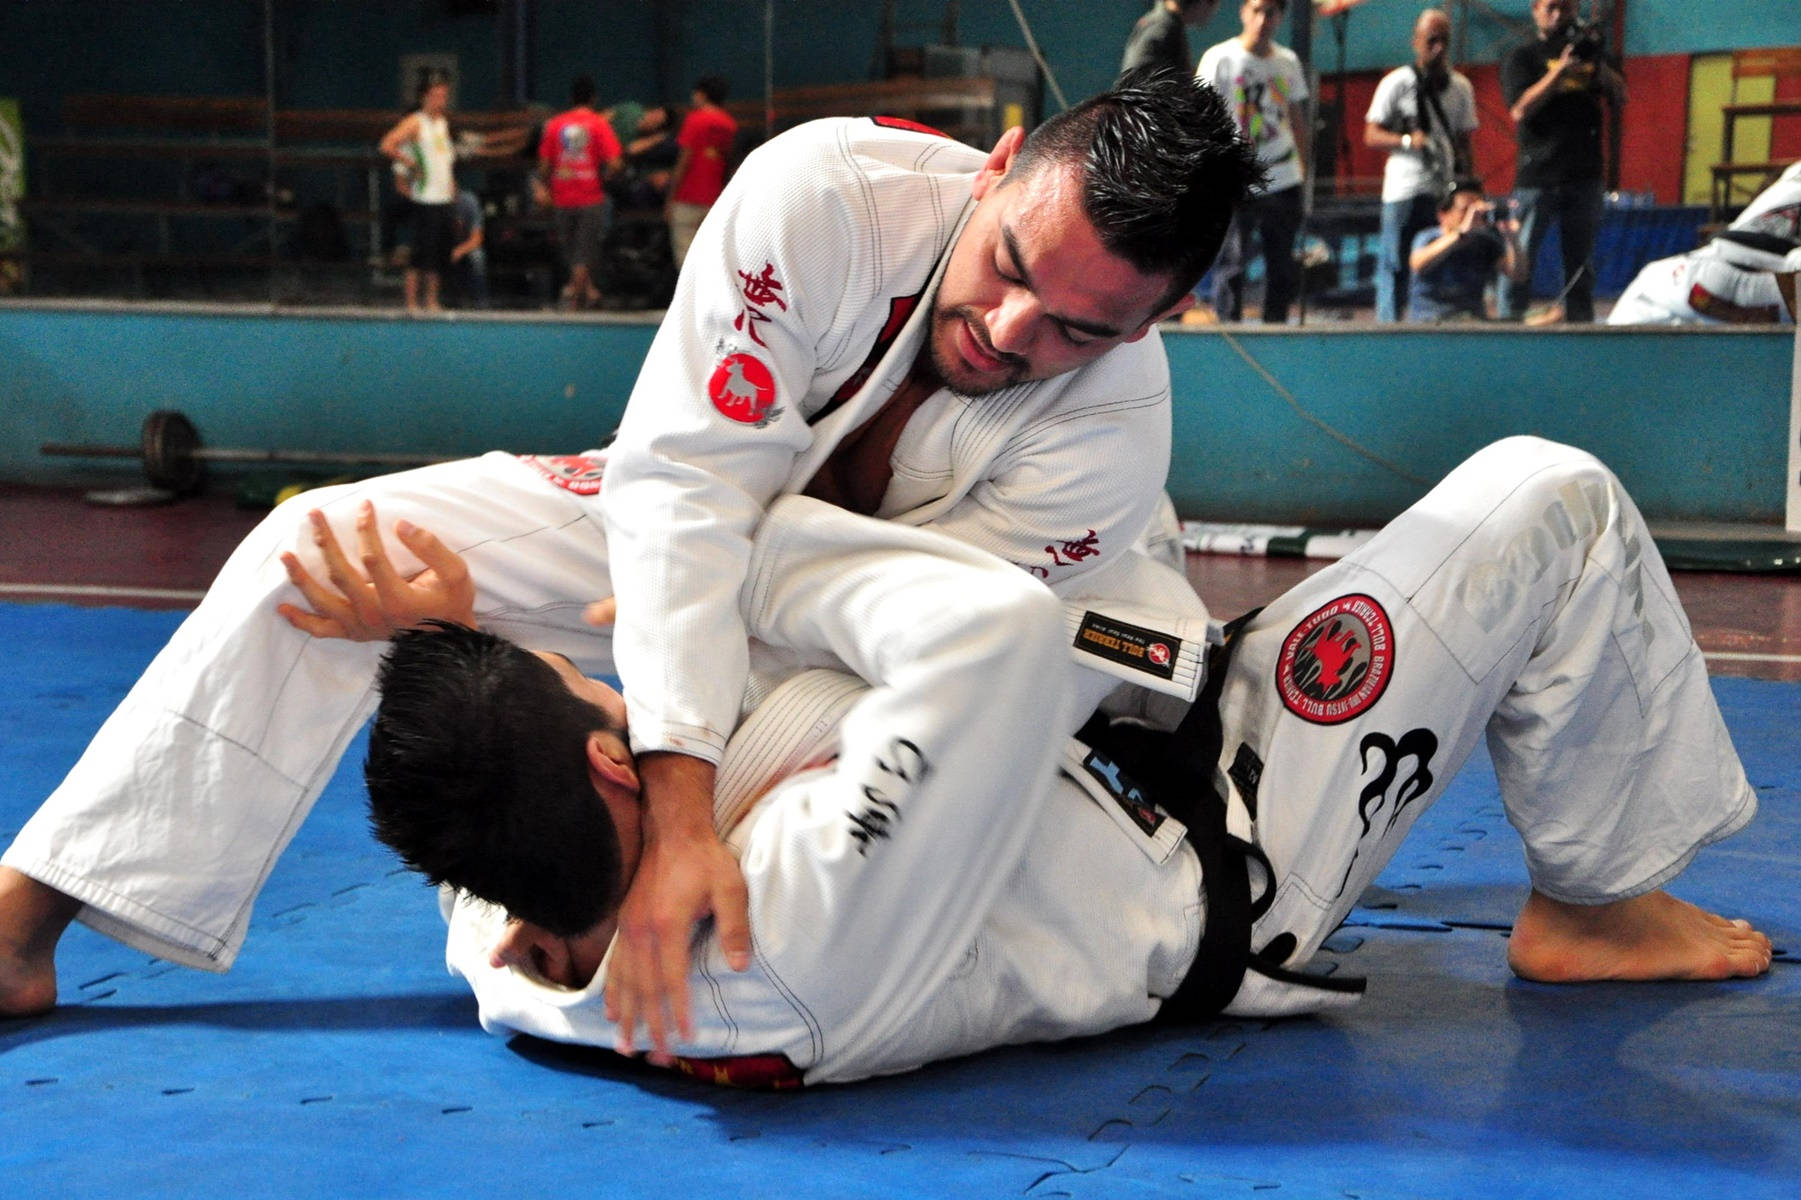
[1587, 38]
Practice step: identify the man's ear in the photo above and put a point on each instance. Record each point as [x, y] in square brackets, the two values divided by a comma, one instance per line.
[1181, 306]
[1000, 160]
[610, 762]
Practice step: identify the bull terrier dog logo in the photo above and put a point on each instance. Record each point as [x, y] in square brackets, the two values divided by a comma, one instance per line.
[743, 390]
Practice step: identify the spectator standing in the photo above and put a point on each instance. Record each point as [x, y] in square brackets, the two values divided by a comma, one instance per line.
[421, 148]
[1265, 86]
[578, 150]
[1160, 38]
[706, 142]
[1422, 114]
[1454, 263]
[1553, 85]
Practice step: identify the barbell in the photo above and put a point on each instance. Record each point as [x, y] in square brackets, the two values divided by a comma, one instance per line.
[175, 460]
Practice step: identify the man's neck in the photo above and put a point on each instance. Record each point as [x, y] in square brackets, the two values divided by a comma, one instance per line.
[1261, 47]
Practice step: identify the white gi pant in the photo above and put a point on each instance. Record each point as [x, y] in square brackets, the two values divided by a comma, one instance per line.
[168, 826]
[1522, 598]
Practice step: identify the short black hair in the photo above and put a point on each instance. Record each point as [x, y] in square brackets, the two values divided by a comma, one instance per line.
[1164, 169]
[713, 87]
[1447, 195]
[478, 777]
[581, 91]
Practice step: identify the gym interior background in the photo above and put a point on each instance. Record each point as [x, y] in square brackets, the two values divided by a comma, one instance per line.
[182, 156]
[198, 229]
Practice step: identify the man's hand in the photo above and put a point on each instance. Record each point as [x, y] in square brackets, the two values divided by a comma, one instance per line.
[374, 603]
[1563, 63]
[1476, 215]
[685, 875]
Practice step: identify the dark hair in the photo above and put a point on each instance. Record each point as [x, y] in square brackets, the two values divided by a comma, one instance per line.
[1164, 168]
[581, 91]
[1447, 195]
[478, 777]
[713, 87]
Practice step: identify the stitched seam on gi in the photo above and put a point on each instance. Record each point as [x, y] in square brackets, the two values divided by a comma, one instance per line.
[731, 1040]
[815, 1034]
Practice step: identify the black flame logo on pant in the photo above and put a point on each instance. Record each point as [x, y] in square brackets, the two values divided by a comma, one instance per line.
[1419, 745]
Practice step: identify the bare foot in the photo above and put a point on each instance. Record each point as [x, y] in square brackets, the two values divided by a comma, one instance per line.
[33, 916]
[1653, 936]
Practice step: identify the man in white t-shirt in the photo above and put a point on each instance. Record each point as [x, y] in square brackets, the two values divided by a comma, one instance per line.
[1426, 131]
[1266, 87]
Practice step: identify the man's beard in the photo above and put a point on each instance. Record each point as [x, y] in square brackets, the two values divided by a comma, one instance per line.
[949, 364]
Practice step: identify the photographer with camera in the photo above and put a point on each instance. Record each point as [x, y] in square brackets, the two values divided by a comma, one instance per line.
[1553, 86]
[1422, 114]
[1454, 264]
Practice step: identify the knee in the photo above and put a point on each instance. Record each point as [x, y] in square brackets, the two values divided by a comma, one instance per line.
[1560, 497]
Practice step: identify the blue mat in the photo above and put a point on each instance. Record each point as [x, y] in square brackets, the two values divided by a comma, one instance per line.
[340, 1059]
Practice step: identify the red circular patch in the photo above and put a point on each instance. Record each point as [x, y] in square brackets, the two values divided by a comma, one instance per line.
[742, 389]
[1158, 653]
[1337, 661]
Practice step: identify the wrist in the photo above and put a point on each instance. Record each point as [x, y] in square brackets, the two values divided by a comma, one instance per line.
[678, 792]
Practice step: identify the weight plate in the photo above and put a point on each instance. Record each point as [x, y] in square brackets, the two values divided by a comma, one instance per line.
[170, 440]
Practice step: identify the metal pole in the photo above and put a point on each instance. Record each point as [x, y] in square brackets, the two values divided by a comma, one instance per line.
[269, 104]
[1300, 33]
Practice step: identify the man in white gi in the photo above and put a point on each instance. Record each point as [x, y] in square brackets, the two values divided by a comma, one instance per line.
[935, 868]
[876, 315]
[1732, 279]
[1423, 115]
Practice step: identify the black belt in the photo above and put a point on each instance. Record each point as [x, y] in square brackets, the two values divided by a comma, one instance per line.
[1177, 771]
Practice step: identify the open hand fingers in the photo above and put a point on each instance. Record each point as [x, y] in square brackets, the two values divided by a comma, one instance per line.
[311, 623]
[731, 922]
[440, 559]
[347, 579]
[330, 613]
[669, 1009]
[622, 992]
[390, 589]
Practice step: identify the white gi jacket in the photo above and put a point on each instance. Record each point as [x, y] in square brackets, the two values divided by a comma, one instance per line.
[931, 871]
[802, 306]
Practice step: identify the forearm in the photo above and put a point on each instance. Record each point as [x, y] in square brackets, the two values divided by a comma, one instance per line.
[1534, 96]
[1432, 251]
[1378, 138]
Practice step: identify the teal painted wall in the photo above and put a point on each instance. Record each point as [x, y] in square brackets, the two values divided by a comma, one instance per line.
[326, 383]
[1695, 422]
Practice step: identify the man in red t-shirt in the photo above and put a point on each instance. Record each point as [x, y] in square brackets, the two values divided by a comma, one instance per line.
[706, 146]
[577, 151]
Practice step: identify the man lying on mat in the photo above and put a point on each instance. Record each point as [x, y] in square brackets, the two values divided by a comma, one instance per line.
[934, 869]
